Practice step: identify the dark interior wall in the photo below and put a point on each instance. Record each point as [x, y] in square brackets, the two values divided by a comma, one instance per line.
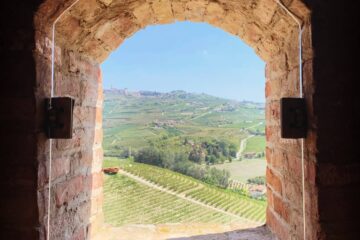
[18, 200]
[335, 41]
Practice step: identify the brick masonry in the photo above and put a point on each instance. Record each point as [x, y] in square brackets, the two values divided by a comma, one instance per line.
[76, 164]
[261, 24]
[94, 28]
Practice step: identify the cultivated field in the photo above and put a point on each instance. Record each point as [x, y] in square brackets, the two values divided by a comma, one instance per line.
[244, 169]
[179, 122]
[128, 201]
[255, 144]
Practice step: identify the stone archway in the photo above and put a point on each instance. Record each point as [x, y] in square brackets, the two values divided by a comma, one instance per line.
[88, 33]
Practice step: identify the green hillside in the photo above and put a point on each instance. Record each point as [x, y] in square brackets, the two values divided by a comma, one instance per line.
[181, 150]
[128, 201]
[133, 120]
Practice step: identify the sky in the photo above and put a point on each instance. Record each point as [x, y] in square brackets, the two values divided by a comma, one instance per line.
[194, 57]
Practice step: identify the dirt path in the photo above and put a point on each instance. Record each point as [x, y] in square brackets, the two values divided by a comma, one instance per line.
[242, 146]
[243, 141]
[182, 196]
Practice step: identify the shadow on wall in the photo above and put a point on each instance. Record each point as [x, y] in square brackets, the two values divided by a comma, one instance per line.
[77, 178]
[258, 233]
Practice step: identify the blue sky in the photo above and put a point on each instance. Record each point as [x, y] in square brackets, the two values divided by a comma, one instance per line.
[194, 57]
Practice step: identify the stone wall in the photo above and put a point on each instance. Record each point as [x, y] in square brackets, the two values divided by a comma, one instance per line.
[284, 172]
[93, 29]
[76, 191]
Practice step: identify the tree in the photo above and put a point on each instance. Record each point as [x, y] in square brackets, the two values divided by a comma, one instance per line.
[196, 155]
[149, 155]
[232, 150]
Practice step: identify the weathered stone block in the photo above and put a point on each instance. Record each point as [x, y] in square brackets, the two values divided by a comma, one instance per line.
[60, 167]
[66, 191]
[277, 225]
[144, 15]
[274, 181]
[281, 208]
[214, 13]
[178, 9]
[195, 10]
[162, 11]
[265, 10]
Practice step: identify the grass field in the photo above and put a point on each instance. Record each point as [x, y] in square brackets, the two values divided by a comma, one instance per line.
[255, 144]
[245, 169]
[116, 197]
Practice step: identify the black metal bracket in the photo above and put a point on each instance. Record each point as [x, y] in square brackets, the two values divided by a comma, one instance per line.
[59, 117]
[293, 118]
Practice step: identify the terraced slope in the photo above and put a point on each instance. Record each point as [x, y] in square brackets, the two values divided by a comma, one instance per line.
[129, 202]
[222, 199]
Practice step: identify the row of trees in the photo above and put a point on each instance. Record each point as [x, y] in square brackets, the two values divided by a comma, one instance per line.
[261, 180]
[212, 152]
[179, 162]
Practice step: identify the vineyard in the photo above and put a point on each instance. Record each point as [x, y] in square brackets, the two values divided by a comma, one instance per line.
[127, 201]
[130, 202]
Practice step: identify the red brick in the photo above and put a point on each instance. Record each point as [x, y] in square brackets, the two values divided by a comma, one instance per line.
[310, 143]
[66, 191]
[268, 133]
[93, 181]
[293, 191]
[281, 208]
[99, 153]
[280, 229]
[277, 159]
[294, 167]
[99, 75]
[96, 203]
[97, 180]
[273, 112]
[79, 234]
[267, 89]
[268, 155]
[98, 136]
[84, 116]
[310, 172]
[277, 67]
[272, 133]
[274, 181]
[270, 199]
[100, 97]
[60, 167]
[98, 116]
[88, 92]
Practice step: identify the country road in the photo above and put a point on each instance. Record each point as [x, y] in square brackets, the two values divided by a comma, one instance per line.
[243, 141]
[242, 146]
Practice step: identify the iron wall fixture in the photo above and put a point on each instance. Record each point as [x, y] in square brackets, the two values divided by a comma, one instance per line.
[293, 118]
[59, 117]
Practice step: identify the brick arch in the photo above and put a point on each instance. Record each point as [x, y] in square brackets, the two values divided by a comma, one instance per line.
[97, 27]
[92, 29]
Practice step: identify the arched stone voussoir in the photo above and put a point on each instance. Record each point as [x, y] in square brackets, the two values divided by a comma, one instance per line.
[97, 27]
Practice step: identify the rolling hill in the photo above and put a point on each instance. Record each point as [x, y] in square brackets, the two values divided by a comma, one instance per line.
[133, 120]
